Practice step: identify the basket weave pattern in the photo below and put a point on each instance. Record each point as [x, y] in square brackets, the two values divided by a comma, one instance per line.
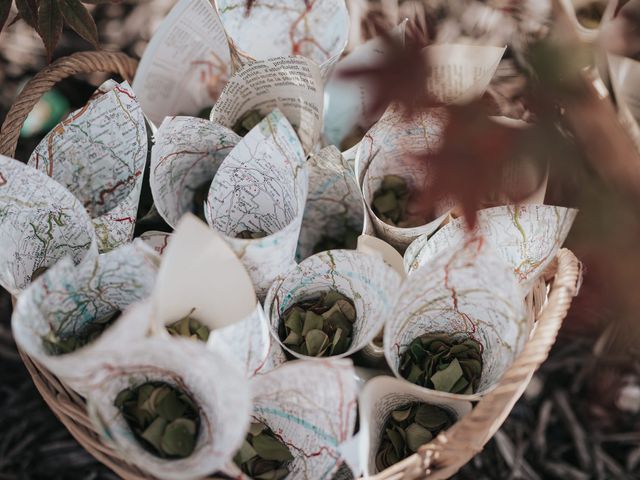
[440, 458]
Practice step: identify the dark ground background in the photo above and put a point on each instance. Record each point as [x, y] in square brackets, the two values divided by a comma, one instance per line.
[578, 419]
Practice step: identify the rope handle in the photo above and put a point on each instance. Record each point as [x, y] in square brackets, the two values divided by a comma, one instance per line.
[82, 62]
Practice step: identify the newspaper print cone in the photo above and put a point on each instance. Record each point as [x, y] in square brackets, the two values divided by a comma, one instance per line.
[185, 158]
[214, 383]
[68, 302]
[261, 187]
[40, 223]
[99, 153]
[467, 292]
[367, 281]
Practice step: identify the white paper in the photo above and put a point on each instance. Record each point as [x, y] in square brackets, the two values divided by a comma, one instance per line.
[527, 237]
[459, 73]
[200, 275]
[381, 249]
[99, 153]
[40, 223]
[349, 101]
[317, 30]
[388, 149]
[68, 298]
[378, 399]
[186, 64]
[370, 283]
[262, 186]
[213, 382]
[187, 153]
[311, 417]
[158, 241]
[250, 343]
[334, 204]
[292, 85]
[625, 78]
[469, 290]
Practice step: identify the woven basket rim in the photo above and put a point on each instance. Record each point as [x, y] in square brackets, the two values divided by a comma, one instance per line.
[440, 458]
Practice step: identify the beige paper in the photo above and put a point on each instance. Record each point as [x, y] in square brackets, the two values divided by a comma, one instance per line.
[99, 153]
[40, 223]
[381, 249]
[459, 73]
[262, 187]
[292, 85]
[187, 153]
[186, 64]
[215, 384]
[317, 30]
[334, 205]
[625, 78]
[312, 418]
[467, 290]
[387, 149]
[67, 299]
[158, 241]
[369, 282]
[378, 399]
[201, 275]
[249, 343]
[527, 237]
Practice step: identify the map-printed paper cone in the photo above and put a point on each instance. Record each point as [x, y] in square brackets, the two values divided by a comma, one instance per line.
[387, 149]
[334, 208]
[216, 386]
[99, 153]
[185, 158]
[382, 395]
[249, 343]
[261, 187]
[311, 406]
[469, 291]
[292, 85]
[40, 223]
[527, 237]
[318, 29]
[368, 281]
[69, 301]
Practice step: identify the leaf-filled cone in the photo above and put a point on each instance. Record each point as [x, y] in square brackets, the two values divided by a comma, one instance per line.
[215, 385]
[366, 280]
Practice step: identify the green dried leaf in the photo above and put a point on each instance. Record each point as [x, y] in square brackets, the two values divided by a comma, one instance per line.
[401, 415]
[49, 25]
[444, 380]
[246, 453]
[256, 428]
[153, 434]
[312, 321]
[316, 342]
[179, 438]
[294, 320]
[431, 417]
[170, 406]
[417, 436]
[293, 339]
[251, 235]
[269, 448]
[385, 203]
[394, 183]
[80, 20]
[396, 440]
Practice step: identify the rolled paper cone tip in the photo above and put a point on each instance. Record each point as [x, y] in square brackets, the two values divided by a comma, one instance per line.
[374, 246]
[229, 295]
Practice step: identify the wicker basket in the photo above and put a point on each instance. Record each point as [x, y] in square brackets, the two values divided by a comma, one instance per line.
[440, 458]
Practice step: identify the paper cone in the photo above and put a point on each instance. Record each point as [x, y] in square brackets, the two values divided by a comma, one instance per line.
[187, 154]
[67, 300]
[99, 153]
[214, 383]
[468, 291]
[262, 187]
[40, 223]
[370, 283]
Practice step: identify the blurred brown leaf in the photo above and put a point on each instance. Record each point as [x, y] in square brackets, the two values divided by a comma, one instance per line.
[49, 25]
[80, 20]
[28, 10]
[5, 8]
